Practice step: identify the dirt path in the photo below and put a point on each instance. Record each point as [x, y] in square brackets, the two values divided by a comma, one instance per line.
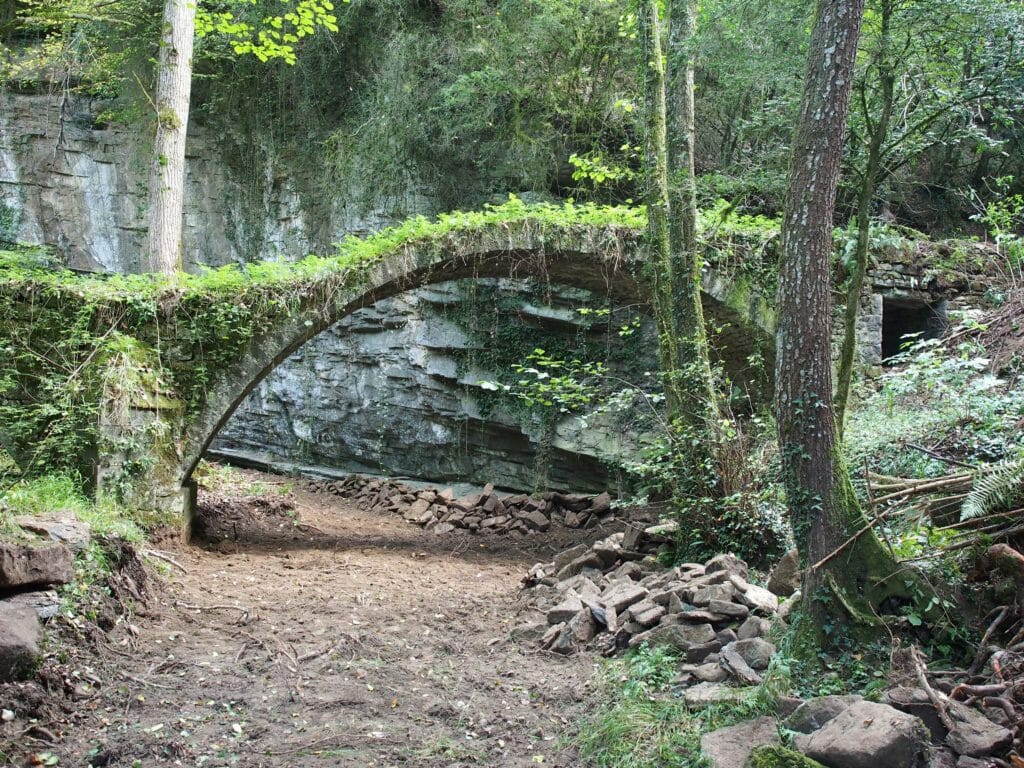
[351, 638]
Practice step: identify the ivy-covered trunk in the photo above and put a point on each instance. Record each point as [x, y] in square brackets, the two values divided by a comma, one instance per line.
[659, 262]
[167, 174]
[823, 508]
[673, 255]
[697, 413]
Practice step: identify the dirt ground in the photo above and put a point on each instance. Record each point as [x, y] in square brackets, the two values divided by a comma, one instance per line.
[325, 635]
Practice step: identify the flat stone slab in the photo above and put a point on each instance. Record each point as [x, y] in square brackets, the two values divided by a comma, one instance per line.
[621, 595]
[730, 747]
[46, 603]
[974, 735]
[20, 634]
[28, 566]
[66, 529]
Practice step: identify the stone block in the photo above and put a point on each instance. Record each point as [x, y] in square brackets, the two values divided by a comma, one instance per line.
[20, 634]
[26, 566]
[867, 735]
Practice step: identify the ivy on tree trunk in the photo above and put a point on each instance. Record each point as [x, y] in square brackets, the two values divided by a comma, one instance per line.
[674, 257]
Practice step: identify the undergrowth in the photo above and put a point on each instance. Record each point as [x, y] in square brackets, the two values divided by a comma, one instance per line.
[63, 493]
[643, 724]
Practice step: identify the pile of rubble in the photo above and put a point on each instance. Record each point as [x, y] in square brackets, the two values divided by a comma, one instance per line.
[610, 596]
[485, 512]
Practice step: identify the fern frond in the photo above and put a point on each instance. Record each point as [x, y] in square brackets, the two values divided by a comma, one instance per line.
[995, 489]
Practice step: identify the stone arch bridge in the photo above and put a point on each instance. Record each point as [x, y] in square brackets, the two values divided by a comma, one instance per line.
[153, 434]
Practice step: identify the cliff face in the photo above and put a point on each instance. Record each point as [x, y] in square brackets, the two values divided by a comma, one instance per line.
[81, 189]
[388, 389]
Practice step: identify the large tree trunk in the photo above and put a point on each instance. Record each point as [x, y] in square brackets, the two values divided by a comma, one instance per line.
[167, 175]
[673, 257]
[823, 508]
[659, 263]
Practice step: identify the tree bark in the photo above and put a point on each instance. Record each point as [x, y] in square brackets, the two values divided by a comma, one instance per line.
[823, 508]
[167, 175]
[659, 263]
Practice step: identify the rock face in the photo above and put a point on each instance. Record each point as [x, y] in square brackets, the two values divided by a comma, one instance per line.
[26, 566]
[20, 633]
[86, 194]
[393, 390]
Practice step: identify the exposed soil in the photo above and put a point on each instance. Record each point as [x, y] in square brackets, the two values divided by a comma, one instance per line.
[321, 635]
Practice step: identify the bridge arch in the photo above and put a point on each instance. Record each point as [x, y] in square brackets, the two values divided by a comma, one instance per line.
[607, 260]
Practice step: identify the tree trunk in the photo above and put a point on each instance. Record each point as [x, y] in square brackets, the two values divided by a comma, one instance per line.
[167, 175]
[659, 263]
[697, 411]
[873, 174]
[823, 507]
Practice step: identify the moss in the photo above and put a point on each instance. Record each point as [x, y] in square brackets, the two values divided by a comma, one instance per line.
[780, 757]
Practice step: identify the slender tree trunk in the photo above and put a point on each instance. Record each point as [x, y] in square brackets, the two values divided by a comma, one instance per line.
[167, 175]
[697, 411]
[873, 174]
[823, 508]
[659, 262]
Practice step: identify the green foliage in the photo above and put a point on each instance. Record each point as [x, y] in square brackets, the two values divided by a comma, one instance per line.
[549, 382]
[941, 397]
[1003, 217]
[841, 664]
[50, 492]
[273, 36]
[1001, 488]
[780, 757]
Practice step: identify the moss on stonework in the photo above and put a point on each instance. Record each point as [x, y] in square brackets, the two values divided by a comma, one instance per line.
[779, 757]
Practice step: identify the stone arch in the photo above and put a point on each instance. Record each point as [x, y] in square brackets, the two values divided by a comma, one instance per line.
[604, 259]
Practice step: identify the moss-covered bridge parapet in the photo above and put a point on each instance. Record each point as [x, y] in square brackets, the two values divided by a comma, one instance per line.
[128, 378]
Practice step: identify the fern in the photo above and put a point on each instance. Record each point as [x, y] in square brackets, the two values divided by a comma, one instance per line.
[995, 488]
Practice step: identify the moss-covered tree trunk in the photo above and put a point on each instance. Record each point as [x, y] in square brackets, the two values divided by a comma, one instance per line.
[659, 262]
[673, 253]
[697, 408]
[167, 174]
[823, 507]
[877, 130]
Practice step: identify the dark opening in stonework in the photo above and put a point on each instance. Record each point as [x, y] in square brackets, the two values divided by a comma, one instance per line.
[902, 317]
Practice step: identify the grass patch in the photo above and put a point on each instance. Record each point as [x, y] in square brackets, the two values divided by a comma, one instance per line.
[644, 725]
[62, 492]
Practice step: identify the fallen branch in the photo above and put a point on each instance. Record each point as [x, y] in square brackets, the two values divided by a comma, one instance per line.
[246, 612]
[166, 558]
[982, 655]
[938, 700]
